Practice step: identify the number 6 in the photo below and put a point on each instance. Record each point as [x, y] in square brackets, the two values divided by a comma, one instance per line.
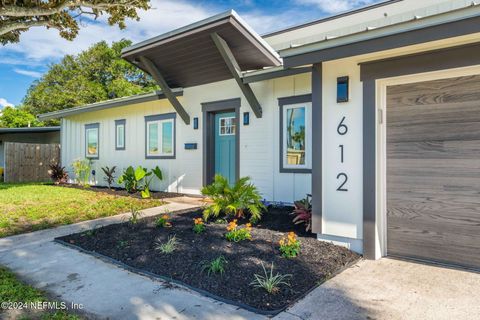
[342, 129]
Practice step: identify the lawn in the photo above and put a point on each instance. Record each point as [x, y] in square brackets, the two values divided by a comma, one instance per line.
[13, 290]
[30, 207]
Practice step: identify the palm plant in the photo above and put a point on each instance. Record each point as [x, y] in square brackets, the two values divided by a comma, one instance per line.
[234, 200]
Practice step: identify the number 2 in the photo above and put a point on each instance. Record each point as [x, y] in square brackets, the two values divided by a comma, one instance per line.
[345, 179]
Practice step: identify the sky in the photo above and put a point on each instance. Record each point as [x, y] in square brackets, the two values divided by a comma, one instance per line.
[24, 62]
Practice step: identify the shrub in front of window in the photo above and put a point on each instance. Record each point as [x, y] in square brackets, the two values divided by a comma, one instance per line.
[303, 212]
[241, 198]
[82, 169]
[139, 179]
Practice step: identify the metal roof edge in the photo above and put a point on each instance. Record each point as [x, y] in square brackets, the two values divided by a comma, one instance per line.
[29, 129]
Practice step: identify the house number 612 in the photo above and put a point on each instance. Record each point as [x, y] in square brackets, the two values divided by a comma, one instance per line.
[342, 177]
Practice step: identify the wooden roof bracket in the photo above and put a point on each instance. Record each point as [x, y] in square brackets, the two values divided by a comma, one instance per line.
[157, 76]
[234, 68]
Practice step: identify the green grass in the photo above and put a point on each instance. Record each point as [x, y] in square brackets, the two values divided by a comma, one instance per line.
[30, 207]
[13, 290]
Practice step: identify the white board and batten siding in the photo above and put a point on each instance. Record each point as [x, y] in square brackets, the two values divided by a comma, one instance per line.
[259, 141]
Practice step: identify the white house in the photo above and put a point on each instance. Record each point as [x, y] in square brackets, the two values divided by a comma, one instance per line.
[376, 112]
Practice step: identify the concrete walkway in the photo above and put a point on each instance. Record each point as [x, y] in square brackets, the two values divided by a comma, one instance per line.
[104, 290]
[385, 289]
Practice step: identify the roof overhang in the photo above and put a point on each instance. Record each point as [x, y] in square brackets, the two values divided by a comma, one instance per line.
[188, 56]
[29, 130]
[120, 102]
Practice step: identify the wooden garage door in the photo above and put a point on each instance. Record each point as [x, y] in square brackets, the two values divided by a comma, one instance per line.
[433, 171]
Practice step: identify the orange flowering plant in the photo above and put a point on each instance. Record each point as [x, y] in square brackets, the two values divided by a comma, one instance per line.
[289, 245]
[198, 225]
[162, 221]
[236, 233]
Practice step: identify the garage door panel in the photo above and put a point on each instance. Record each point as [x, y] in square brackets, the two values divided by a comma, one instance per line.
[434, 149]
[435, 92]
[433, 170]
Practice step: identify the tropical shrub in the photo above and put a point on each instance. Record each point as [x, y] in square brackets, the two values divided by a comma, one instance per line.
[169, 246]
[163, 221]
[303, 212]
[236, 233]
[57, 173]
[270, 282]
[234, 200]
[139, 179]
[82, 169]
[217, 265]
[289, 245]
[109, 175]
[198, 225]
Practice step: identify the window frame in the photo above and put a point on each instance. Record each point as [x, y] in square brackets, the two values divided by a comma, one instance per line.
[233, 124]
[161, 118]
[292, 102]
[92, 126]
[118, 123]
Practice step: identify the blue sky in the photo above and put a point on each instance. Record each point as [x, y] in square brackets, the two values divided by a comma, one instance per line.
[23, 63]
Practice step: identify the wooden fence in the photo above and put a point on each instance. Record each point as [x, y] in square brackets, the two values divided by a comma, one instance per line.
[29, 162]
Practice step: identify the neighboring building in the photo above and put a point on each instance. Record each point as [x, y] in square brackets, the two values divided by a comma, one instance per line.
[44, 135]
[375, 112]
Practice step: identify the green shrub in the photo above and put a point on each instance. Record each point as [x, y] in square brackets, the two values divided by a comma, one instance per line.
[217, 265]
[235, 200]
[270, 282]
[139, 179]
[169, 246]
[198, 225]
[289, 245]
[237, 234]
[82, 169]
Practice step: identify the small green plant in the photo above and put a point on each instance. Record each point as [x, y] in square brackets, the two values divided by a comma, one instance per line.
[169, 246]
[237, 234]
[163, 221]
[122, 244]
[270, 282]
[217, 265]
[135, 215]
[235, 200]
[139, 179]
[198, 225]
[82, 169]
[289, 245]
[109, 175]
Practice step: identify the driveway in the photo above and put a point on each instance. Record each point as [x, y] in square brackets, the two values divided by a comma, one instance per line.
[385, 289]
[393, 289]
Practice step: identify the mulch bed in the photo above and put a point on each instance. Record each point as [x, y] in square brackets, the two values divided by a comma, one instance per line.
[134, 245]
[122, 192]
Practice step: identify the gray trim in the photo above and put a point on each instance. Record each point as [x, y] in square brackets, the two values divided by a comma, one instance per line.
[29, 130]
[209, 109]
[124, 123]
[282, 102]
[455, 57]
[317, 141]
[402, 39]
[275, 74]
[120, 102]
[334, 17]
[156, 117]
[156, 74]
[92, 126]
[236, 72]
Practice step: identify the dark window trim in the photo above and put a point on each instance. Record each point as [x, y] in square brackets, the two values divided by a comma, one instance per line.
[209, 109]
[118, 123]
[444, 59]
[156, 117]
[282, 102]
[92, 126]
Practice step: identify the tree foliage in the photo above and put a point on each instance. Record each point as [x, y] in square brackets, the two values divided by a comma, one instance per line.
[17, 16]
[11, 117]
[94, 75]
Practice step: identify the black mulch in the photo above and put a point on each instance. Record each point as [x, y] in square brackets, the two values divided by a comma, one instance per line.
[135, 246]
[122, 192]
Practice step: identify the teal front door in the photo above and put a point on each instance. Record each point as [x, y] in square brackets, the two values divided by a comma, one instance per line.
[225, 142]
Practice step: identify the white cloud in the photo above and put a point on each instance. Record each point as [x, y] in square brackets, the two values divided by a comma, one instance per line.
[336, 6]
[4, 103]
[29, 73]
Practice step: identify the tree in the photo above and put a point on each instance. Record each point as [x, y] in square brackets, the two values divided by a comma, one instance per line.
[94, 75]
[11, 117]
[17, 16]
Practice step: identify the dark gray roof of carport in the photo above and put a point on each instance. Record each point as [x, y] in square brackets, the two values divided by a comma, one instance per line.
[188, 57]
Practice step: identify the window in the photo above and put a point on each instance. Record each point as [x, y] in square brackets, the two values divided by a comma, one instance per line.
[92, 140]
[227, 126]
[295, 134]
[120, 134]
[160, 136]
